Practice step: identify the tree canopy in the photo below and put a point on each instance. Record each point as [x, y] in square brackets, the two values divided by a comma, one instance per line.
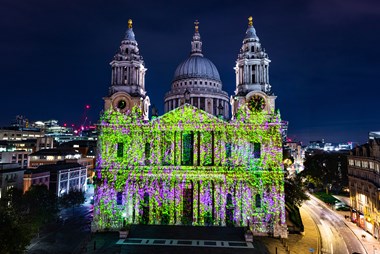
[326, 170]
[24, 214]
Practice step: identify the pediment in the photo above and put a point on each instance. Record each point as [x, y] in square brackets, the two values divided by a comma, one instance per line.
[188, 114]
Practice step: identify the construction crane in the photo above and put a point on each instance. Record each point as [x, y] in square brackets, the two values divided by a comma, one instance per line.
[84, 118]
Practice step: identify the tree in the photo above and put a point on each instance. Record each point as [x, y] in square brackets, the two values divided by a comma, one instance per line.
[325, 170]
[294, 191]
[13, 220]
[72, 199]
[41, 204]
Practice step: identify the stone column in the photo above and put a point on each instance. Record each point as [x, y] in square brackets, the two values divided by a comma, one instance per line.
[257, 73]
[237, 75]
[245, 74]
[195, 202]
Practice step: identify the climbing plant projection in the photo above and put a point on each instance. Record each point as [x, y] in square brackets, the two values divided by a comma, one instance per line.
[189, 167]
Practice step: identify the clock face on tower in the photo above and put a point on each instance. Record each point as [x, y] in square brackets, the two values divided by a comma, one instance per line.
[121, 104]
[256, 103]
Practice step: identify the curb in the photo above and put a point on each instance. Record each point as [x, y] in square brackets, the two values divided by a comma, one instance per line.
[345, 222]
[319, 242]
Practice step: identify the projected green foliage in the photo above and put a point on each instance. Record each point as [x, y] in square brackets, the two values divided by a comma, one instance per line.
[189, 159]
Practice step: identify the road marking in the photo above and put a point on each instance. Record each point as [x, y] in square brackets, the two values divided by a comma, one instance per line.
[192, 243]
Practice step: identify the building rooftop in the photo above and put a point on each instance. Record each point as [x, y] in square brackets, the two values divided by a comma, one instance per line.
[60, 166]
[10, 167]
[55, 152]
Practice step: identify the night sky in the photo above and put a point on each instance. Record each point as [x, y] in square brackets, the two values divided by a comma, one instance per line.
[55, 55]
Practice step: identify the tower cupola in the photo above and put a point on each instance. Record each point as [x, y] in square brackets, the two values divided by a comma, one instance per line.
[252, 74]
[128, 76]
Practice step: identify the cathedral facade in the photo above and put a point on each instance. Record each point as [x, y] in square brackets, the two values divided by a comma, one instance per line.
[194, 165]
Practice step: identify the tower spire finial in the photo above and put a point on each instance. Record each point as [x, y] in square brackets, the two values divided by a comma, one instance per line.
[250, 23]
[196, 23]
[130, 23]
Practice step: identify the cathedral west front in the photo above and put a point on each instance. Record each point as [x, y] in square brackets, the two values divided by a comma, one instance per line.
[211, 159]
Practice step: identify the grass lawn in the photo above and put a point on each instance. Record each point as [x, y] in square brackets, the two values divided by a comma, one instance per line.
[327, 198]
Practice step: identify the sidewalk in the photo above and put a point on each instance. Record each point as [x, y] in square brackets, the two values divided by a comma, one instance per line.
[370, 244]
[301, 244]
[296, 243]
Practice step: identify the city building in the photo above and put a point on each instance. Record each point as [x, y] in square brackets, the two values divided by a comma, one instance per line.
[191, 166]
[18, 134]
[65, 177]
[296, 152]
[18, 156]
[364, 185]
[87, 148]
[11, 176]
[36, 177]
[52, 156]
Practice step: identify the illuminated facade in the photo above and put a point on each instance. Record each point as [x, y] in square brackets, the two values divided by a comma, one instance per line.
[191, 166]
[364, 184]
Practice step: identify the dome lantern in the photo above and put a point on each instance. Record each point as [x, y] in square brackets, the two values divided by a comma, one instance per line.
[196, 43]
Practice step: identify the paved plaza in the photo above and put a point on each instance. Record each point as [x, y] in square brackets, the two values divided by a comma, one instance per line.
[74, 237]
[176, 239]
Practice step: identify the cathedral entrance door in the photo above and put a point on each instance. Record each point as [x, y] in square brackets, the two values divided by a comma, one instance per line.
[187, 215]
[229, 211]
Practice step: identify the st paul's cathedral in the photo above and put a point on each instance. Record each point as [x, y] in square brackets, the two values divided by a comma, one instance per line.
[210, 160]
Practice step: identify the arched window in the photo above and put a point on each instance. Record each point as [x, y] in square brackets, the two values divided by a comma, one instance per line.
[147, 153]
[258, 201]
[119, 198]
[120, 150]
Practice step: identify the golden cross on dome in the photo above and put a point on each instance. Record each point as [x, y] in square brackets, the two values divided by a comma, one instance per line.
[250, 23]
[196, 23]
[130, 23]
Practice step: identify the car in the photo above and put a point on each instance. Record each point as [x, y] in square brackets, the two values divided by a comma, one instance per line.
[343, 208]
[339, 204]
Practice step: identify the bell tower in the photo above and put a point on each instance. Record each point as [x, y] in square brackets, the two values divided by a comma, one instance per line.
[252, 75]
[128, 78]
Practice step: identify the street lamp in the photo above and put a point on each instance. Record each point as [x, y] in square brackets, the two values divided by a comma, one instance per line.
[124, 215]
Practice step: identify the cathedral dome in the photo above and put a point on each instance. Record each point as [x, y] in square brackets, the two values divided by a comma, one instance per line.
[196, 81]
[196, 66]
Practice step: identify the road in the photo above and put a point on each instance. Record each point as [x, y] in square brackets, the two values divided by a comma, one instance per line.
[67, 234]
[336, 237]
